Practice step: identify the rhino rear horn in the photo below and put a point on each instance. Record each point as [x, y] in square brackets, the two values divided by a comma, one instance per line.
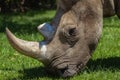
[47, 31]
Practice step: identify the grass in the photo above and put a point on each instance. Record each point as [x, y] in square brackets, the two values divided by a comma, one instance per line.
[104, 64]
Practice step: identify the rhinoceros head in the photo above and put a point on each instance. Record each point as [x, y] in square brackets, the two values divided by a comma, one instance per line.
[70, 39]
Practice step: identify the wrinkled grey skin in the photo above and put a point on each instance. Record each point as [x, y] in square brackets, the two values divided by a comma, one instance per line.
[78, 27]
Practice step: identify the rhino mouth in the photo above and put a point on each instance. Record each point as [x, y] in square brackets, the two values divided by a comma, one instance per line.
[68, 71]
[65, 72]
[64, 67]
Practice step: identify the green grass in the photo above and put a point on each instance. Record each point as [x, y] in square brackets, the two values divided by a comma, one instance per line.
[104, 65]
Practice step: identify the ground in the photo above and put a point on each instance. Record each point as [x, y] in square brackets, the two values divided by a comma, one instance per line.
[104, 64]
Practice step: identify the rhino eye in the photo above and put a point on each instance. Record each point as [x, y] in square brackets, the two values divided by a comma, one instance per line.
[69, 34]
[72, 31]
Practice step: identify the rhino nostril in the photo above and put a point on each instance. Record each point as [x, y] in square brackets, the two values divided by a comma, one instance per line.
[63, 70]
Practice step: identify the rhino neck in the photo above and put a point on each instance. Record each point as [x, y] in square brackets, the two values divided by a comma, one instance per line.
[108, 8]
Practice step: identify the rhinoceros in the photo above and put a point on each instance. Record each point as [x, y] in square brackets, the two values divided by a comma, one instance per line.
[71, 37]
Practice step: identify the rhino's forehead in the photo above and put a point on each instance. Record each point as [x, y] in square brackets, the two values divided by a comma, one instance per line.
[68, 18]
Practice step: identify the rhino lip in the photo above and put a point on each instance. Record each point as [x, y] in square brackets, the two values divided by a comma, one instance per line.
[67, 72]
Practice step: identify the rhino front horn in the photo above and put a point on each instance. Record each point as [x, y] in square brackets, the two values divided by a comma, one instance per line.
[28, 48]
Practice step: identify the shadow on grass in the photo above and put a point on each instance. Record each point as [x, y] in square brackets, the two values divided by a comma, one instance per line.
[35, 73]
[112, 63]
[25, 27]
[28, 23]
[112, 22]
